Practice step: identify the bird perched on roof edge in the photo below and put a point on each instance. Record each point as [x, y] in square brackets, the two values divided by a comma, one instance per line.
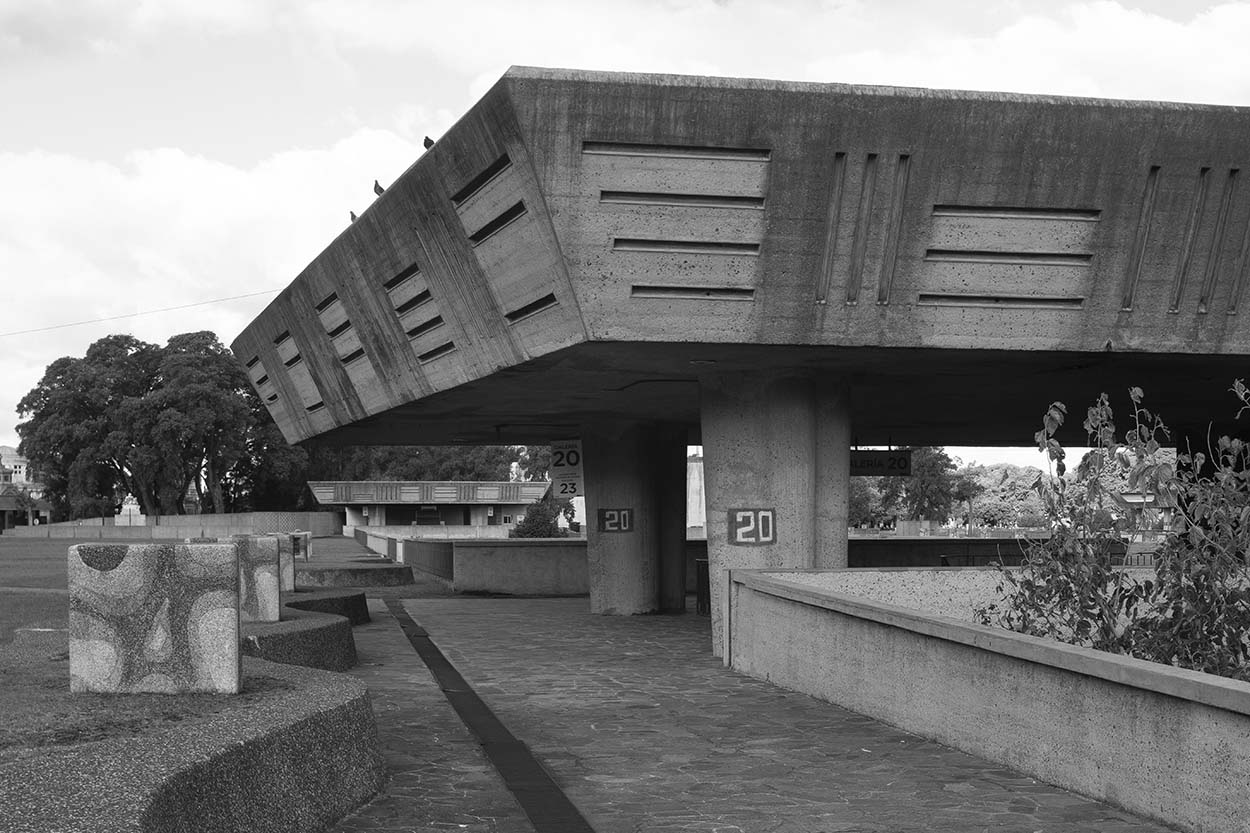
[429, 143]
[353, 215]
[378, 189]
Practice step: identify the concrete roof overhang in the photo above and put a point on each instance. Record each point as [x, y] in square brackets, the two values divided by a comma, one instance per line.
[582, 247]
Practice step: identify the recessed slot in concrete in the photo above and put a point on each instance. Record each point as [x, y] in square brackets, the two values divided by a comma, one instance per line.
[1009, 258]
[439, 351]
[401, 277]
[545, 302]
[252, 362]
[294, 360]
[1004, 212]
[340, 329]
[494, 226]
[325, 302]
[479, 182]
[352, 356]
[691, 200]
[700, 293]
[316, 406]
[1021, 301]
[687, 247]
[262, 380]
[685, 151]
[425, 326]
[281, 337]
[413, 302]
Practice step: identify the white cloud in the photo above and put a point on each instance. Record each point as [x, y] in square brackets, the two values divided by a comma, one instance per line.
[88, 240]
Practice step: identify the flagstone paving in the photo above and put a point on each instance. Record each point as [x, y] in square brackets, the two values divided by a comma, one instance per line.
[645, 731]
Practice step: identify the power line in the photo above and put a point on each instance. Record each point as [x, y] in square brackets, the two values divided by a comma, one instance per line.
[136, 314]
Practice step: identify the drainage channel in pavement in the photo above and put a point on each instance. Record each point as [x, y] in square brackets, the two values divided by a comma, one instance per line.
[546, 805]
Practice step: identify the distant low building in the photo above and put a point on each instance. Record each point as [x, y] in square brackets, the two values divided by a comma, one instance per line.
[16, 469]
[430, 503]
[13, 507]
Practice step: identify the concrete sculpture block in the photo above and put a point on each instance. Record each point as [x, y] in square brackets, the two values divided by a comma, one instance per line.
[158, 618]
[302, 542]
[258, 577]
[286, 561]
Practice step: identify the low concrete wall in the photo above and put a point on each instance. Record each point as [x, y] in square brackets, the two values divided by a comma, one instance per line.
[178, 527]
[295, 758]
[521, 566]
[431, 557]
[516, 566]
[1156, 740]
[931, 551]
[438, 533]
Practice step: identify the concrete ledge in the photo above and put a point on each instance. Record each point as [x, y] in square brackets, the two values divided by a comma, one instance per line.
[1159, 741]
[349, 604]
[302, 637]
[296, 761]
[363, 575]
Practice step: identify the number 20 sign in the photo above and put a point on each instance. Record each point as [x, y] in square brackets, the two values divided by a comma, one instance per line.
[752, 527]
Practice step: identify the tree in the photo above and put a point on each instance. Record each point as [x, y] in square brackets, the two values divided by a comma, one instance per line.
[864, 502]
[77, 432]
[927, 492]
[131, 417]
[542, 518]
[966, 490]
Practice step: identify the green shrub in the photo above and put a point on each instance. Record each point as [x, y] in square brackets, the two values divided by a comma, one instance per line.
[541, 519]
[1195, 613]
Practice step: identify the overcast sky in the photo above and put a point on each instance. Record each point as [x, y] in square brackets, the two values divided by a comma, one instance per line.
[165, 153]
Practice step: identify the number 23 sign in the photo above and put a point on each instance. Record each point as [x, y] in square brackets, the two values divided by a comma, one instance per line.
[752, 527]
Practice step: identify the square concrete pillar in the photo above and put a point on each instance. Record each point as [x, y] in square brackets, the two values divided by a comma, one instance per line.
[622, 520]
[154, 618]
[776, 461]
[286, 561]
[259, 599]
[302, 542]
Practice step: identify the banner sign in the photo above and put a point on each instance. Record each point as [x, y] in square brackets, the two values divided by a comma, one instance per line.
[878, 463]
[566, 468]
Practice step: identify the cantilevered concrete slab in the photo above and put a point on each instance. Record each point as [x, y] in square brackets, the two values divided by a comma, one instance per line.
[780, 269]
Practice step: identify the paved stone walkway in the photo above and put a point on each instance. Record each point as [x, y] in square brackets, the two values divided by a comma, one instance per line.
[645, 731]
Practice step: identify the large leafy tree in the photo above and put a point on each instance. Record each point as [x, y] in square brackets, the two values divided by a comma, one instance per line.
[928, 493]
[134, 417]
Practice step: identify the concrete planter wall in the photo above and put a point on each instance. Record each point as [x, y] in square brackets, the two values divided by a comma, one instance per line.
[433, 532]
[521, 566]
[516, 566]
[1158, 741]
[431, 557]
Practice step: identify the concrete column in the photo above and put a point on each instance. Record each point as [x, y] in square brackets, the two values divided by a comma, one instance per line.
[833, 472]
[776, 475]
[623, 556]
[670, 487]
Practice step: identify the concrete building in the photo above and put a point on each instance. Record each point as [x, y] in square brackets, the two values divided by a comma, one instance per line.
[437, 508]
[775, 271]
[16, 466]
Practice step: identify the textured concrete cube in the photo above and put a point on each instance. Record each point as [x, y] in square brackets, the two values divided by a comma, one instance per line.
[302, 542]
[286, 561]
[160, 618]
[258, 577]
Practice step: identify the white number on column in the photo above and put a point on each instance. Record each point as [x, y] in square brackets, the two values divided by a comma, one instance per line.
[752, 527]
